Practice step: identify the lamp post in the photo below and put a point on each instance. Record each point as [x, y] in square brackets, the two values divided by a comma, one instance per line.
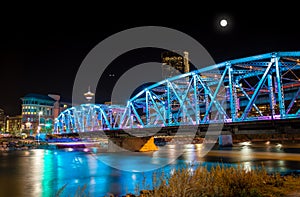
[39, 126]
[40, 113]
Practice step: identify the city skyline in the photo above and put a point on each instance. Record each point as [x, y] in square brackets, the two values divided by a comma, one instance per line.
[46, 61]
[138, 126]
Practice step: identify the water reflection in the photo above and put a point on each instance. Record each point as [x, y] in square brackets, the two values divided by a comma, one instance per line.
[246, 153]
[43, 172]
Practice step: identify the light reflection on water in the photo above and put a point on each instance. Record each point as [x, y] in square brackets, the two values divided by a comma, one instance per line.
[43, 172]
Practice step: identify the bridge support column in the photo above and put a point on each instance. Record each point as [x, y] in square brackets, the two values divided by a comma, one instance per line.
[134, 144]
[225, 140]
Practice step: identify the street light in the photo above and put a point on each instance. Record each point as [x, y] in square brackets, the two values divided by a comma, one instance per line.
[39, 126]
[40, 113]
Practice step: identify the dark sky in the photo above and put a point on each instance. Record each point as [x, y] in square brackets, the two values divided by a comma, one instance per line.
[44, 58]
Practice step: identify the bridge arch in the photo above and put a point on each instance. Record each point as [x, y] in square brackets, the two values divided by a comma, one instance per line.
[88, 117]
[261, 87]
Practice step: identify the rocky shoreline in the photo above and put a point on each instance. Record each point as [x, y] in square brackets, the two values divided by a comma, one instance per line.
[12, 144]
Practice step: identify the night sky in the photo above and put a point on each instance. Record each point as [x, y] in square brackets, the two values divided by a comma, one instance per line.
[44, 58]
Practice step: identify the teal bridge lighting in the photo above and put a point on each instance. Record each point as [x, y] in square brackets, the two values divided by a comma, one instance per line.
[261, 87]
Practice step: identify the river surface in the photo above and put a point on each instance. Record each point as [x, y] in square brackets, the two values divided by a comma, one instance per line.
[42, 173]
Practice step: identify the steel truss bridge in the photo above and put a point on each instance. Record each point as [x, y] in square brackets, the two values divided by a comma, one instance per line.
[256, 88]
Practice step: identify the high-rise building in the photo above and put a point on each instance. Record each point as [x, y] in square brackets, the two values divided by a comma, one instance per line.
[174, 63]
[2, 120]
[14, 124]
[89, 95]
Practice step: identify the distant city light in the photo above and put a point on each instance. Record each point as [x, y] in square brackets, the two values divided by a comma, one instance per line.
[278, 145]
[245, 143]
[70, 149]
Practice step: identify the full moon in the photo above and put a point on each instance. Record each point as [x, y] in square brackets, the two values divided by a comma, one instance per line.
[223, 23]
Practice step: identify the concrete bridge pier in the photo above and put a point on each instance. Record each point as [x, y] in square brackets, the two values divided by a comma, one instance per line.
[134, 144]
[225, 140]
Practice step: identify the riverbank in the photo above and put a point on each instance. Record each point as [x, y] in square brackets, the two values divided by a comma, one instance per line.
[269, 138]
[11, 144]
[236, 139]
[218, 181]
[222, 181]
[15, 144]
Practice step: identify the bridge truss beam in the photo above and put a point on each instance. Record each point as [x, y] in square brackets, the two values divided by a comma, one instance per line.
[247, 89]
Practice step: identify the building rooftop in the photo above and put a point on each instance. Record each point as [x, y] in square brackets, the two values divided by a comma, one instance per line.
[38, 96]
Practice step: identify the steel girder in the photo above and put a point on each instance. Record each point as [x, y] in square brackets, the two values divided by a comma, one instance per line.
[88, 117]
[252, 88]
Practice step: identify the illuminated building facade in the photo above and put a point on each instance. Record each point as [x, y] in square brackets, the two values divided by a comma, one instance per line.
[2, 120]
[13, 124]
[39, 111]
[174, 63]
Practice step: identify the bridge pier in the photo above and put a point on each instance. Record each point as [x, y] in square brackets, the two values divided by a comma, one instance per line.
[134, 144]
[225, 140]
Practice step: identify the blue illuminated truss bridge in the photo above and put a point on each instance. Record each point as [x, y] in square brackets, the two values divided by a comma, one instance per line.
[261, 87]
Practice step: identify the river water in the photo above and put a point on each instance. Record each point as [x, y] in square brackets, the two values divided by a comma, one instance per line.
[41, 172]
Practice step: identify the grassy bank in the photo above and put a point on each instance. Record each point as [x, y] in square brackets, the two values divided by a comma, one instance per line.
[223, 181]
[218, 181]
